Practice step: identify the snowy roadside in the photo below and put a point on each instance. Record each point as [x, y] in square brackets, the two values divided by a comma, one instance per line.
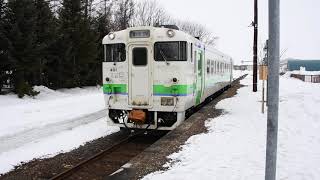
[53, 122]
[234, 147]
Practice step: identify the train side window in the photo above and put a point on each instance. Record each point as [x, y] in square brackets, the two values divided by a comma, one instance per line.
[195, 61]
[208, 66]
[191, 52]
[140, 56]
[222, 67]
[211, 66]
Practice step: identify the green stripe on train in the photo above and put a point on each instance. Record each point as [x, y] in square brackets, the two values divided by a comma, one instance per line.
[178, 89]
[173, 89]
[115, 88]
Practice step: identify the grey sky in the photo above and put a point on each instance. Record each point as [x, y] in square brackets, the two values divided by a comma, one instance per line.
[229, 19]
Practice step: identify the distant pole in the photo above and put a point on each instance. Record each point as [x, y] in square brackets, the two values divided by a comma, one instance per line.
[273, 98]
[255, 47]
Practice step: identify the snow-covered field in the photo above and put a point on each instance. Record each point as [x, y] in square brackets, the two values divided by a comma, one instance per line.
[53, 122]
[234, 147]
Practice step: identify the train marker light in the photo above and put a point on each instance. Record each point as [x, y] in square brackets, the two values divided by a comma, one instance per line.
[111, 36]
[170, 33]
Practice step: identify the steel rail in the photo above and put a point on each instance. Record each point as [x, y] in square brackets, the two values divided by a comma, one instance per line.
[77, 167]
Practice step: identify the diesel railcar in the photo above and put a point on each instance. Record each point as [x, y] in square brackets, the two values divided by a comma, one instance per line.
[153, 75]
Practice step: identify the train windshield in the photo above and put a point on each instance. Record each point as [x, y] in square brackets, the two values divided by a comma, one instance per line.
[115, 52]
[170, 51]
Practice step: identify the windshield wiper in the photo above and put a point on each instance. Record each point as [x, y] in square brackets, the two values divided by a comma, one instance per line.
[164, 57]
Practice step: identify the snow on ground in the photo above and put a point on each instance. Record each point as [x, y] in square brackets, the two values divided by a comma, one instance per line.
[238, 73]
[304, 72]
[234, 147]
[48, 107]
[50, 123]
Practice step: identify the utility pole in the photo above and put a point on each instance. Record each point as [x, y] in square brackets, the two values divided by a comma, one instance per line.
[255, 47]
[273, 98]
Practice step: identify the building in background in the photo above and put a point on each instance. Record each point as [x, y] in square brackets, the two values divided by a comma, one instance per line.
[243, 67]
[309, 65]
[305, 70]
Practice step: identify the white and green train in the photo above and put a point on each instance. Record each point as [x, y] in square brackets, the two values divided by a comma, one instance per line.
[153, 75]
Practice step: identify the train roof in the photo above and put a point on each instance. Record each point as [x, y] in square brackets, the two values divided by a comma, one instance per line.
[160, 32]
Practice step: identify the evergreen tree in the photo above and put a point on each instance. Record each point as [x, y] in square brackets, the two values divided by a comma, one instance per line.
[3, 47]
[102, 26]
[88, 64]
[46, 32]
[69, 29]
[22, 44]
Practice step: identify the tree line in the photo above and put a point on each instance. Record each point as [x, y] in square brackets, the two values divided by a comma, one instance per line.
[57, 43]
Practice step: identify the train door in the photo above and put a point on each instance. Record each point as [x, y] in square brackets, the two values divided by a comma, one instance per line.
[200, 78]
[140, 84]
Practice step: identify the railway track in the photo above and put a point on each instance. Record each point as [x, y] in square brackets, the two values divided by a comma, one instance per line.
[105, 157]
[109, 160]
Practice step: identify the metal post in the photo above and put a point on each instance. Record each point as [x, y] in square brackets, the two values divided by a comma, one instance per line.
[255, 47]
[273, 98]
[262, 109]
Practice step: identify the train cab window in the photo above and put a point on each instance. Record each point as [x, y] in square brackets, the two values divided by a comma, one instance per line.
[139, 56]
[170, 51]
[114, 52]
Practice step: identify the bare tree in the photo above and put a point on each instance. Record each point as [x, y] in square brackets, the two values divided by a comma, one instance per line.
[123, 14]
[149, 13]
[197, 30]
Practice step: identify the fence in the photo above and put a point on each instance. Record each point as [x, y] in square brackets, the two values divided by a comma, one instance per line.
[307, 78]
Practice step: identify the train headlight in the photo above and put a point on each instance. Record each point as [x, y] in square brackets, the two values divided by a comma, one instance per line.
[111, 36]
[170, 33]
[167, 101]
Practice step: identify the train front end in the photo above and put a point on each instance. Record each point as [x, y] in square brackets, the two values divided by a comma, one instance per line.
[145, 83]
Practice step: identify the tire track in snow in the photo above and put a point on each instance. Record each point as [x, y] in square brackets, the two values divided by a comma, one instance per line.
[34, 134]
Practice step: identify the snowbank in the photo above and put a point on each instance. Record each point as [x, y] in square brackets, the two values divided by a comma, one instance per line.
[49, 106]
[238, 73]
[234, 147]
[50, 123]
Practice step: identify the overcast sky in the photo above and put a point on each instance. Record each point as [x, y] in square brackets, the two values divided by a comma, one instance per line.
[229, 20]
